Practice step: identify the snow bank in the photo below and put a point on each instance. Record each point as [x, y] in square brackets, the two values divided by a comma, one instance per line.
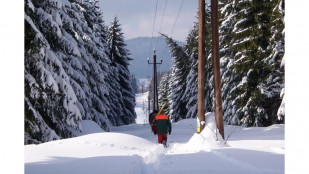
[90, 127]
[252, 150]
[92, 145]
[208, 139]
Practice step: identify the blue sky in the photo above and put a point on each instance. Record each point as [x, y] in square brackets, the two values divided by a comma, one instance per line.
[137, 16]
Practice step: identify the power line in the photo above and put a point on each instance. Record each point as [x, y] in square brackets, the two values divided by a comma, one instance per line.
[174, 25]
[153, 27]
[177, 17]
[161, 22]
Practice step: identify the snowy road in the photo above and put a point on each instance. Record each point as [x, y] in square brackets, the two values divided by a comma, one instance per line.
[249, 150]
[133, 149]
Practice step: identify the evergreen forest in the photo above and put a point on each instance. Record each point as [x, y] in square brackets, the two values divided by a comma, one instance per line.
[76, 68]
[251, 41]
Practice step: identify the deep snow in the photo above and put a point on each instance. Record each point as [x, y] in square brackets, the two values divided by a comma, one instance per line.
[134, 149]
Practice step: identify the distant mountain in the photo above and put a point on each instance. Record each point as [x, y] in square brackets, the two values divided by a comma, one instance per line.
[140, 52]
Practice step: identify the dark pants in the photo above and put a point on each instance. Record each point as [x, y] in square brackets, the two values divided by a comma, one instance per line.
[162, 137]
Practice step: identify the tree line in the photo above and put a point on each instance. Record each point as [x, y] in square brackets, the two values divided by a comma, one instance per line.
[76, 68]
[251, 40]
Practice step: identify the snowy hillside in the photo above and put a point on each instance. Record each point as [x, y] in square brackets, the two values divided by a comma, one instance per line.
[134, 149]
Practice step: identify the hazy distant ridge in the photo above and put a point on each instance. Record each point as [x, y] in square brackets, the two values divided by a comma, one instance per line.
[140, 52]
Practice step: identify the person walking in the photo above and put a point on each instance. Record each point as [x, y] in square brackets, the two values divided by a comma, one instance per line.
[151, 121]
[163, 126]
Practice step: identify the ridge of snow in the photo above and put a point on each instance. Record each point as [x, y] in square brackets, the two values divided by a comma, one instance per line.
[90, 127]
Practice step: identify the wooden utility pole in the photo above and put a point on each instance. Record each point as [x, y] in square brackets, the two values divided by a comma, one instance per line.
[155, 86]
[201, 67]
[216, 66]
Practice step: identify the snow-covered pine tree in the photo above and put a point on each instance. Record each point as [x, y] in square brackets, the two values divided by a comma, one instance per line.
[249, 104]
[280, 10]
[51, 106]
[190, 93]
[274, 83]
[87, 67]
[114, 97]
[257, 52]
[179, 72]
[96, 23]
[120, 60]
[67, 69]
[165, 92]
[227, 22]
